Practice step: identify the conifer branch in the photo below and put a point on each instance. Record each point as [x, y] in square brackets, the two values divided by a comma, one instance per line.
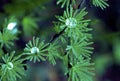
[73, 31]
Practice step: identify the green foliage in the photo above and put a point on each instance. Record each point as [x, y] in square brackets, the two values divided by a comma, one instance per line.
[53, 53]
[21, 7]
[100, 3]
[12, 68]
[35, 50]
[116, 50]
[75, 24]
[102, 62]
[7, 38]
[9, 33]
[76, 29]
[81, 71]
[80, 47]
[65, 2]
[71, 44]
[29, 25]
[1, 52]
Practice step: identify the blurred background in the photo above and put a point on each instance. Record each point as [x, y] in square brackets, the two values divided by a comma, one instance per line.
[35, 18]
